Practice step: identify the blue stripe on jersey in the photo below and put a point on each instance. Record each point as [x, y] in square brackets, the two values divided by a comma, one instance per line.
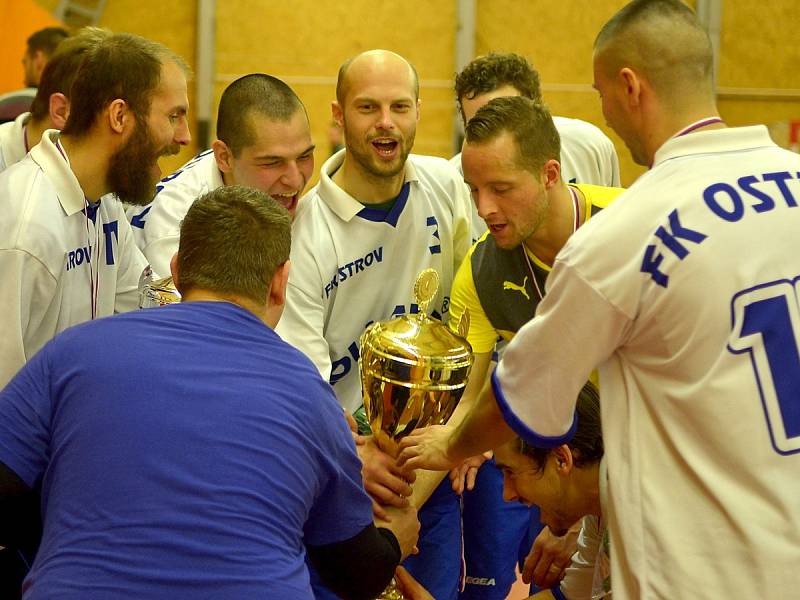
[527, 434]
[391, 217]
[90, 210]
[138, 220]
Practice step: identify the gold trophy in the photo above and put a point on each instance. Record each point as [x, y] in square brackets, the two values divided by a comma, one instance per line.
[413, 373]
[157, 292]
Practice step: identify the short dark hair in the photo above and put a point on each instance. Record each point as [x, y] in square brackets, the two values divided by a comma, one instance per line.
[46, 40]
[232, 241]
[528, 122]
[256, 93]
[664, 41]
[60, 71]
[638, 10]
[123, 66]
[494, 70]
[587, 443]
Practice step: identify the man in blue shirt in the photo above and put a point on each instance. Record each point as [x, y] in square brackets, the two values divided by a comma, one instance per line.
[188, 451]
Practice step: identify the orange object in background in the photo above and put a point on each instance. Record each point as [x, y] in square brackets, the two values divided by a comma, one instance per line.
[20, 18]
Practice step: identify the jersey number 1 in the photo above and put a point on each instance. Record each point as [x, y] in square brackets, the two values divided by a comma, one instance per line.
[766, 324]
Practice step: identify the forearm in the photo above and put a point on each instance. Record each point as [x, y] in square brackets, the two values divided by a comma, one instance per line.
[428, 481]
[20, 521]
[341, 565]
[483, 429]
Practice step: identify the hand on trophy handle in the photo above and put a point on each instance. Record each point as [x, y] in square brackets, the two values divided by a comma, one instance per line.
[384, 481]
[463, 476]
[404, 524]
[427, 448]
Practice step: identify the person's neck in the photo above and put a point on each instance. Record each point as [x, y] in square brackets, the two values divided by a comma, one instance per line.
[678, 120]
[588, 489]
[259, 310]
[34, 131]
[366, 187]
[89, 163]
[551, 236]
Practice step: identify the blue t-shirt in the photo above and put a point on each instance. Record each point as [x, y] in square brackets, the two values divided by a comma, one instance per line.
[181, 452]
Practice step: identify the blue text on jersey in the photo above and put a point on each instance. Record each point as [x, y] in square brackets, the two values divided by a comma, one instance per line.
[727, 201]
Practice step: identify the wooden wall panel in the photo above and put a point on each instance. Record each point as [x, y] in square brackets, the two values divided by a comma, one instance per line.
[305, 41]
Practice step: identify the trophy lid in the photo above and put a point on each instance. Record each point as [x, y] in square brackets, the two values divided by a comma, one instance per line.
[417, 350]
[417, 339]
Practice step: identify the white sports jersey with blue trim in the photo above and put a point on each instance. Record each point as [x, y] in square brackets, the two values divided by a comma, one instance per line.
[587, 156]
[12, 141]
[352, 265]
[157, 226]
[48, 247]
[694, 321]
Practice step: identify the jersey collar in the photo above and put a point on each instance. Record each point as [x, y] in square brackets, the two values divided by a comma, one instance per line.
[340, 202]
[12, 145]
[714, 141]
[53, 163]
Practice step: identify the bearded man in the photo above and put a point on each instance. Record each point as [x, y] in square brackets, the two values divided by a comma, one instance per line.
[66, 250]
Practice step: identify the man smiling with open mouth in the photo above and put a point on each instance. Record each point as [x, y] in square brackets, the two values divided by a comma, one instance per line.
[263, 142]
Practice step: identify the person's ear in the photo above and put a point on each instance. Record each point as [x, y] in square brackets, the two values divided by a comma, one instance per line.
[120, 116]
[59, 110]
[337, 114]
[551, 173]
[277, 288]
[223, 156]
[631, 86]
[564, 459]
[173, 267]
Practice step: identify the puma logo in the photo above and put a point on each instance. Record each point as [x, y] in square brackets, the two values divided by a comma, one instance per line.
[510, 285]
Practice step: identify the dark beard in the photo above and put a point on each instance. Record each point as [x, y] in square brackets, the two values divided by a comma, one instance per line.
[129, 167]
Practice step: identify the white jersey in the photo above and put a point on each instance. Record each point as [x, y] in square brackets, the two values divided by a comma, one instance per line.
[352, 265]
[685, 293]
[48, 244]
[12, 141]
[157, 226]
[587, 156]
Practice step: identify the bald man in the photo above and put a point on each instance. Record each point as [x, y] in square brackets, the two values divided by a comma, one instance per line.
[693, 322]
[378, 217]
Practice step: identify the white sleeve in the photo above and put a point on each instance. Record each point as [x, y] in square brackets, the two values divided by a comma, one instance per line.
[551, 357]
[162, 224]
[462, 223]
[613, 163]
[302, 324]
[159, 253]
[132, 263]
[26, 292]
[579, 576]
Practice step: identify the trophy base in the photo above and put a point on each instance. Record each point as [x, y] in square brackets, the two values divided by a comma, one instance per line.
[392, 592]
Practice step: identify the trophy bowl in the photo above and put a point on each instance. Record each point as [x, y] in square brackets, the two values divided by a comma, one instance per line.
[413, 370]
[413, 373]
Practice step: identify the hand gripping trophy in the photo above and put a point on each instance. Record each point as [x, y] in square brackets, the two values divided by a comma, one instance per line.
[413, 373]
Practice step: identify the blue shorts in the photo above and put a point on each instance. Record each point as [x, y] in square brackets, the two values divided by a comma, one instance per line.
[439, 565]
[498, 536]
